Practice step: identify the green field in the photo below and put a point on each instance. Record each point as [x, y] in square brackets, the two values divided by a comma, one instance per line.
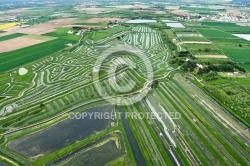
[219, 24]
[203, 49]
[246, 66]
[101, 34]
[22, 56]
[233, 93]
[200, 10]
[210, 33]
[231, 42]
[237, 54]
[62, 34]
[228, 27]
[12, 36]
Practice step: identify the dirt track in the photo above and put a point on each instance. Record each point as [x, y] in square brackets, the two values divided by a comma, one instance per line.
[212, 56]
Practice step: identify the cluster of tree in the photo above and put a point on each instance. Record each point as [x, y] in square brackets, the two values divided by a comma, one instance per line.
[236, 66]
[218, 94]
[184, 53]
[155, 84]
[113, 22]
[211, 76]
[186, 30]
[223, 67]
[217, 68]
[177, 61]
[189, 66]
[158, 26]
[207, 49]
[168, 41]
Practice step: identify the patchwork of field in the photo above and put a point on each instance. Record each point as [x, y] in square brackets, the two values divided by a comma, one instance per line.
[41, 28]
[34, 47]
[35, 108]
[224, 42]
[22, 56]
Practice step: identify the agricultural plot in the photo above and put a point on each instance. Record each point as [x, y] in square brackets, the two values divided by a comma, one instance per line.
[19, 43]
[203, 49]
[12, 36]
[235, 90]
[227, 27]
[43, 28]
[61, 134]
[214, 33]
[200, 10]
[22, 56]
[246, 66]
[229, 42]
[237, 54]
[62, 34]
[8, 25]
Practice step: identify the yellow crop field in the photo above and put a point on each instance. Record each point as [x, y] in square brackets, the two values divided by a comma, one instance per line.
[8, 25]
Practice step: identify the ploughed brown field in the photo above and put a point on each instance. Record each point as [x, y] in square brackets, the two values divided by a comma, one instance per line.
[19, 42]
